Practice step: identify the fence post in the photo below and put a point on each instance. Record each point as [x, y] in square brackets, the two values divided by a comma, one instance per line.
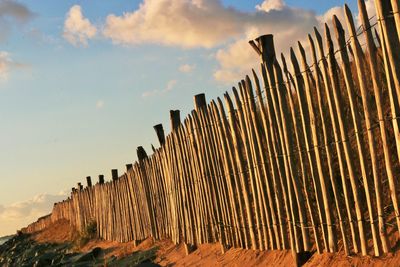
[264, 46]
[101, 179]
[377, 83]
[390, 44]
[307, 101]
[200, 101]
[248, 158]
[306, 119]
[275, 242]
[223, 178]
[89, 181]
[335, 84]
[160, 133]
[266, 49]
[319, 84]
[241, 167]
[114, 174]
[175, 123]
[141, 153]
[128, 167]
[175, 117]
[325, 71]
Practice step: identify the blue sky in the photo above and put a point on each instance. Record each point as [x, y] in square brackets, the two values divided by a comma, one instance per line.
[69, 110]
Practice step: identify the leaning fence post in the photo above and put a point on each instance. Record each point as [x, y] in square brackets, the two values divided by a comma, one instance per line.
[128, 167]
[141, 153]
[142, 156]
[160, 133]
[264, 46]
[200, 101]
[175, 117]
[335, 84]
[377, 82]
[390, 44]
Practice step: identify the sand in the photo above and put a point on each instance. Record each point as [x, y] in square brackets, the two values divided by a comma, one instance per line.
[169, 254]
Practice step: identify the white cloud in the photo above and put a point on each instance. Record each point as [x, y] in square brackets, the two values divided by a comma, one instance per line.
[209, 24]
[200, 23]
[20, 214]
[327, 16]
[99, 104]
[168, 87]
[78, 29]
[236, 59]
[286, 23]
[269, 5]
[186, 68]
[12, 13]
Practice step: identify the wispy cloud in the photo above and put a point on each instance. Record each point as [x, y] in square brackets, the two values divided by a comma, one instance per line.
[78, 29]
[150, 93]
[186, 68]
[43, 38]
[168, 87]
[20, 214]
[6, 64]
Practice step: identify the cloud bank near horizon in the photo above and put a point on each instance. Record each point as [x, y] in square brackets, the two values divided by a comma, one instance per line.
[20, 214]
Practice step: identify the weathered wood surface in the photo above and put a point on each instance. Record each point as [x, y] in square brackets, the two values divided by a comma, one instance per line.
[299, 159]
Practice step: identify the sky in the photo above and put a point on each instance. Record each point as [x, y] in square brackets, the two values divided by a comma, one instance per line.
[82, 83]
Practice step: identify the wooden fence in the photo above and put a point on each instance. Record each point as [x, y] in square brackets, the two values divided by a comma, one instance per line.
[298, 159]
